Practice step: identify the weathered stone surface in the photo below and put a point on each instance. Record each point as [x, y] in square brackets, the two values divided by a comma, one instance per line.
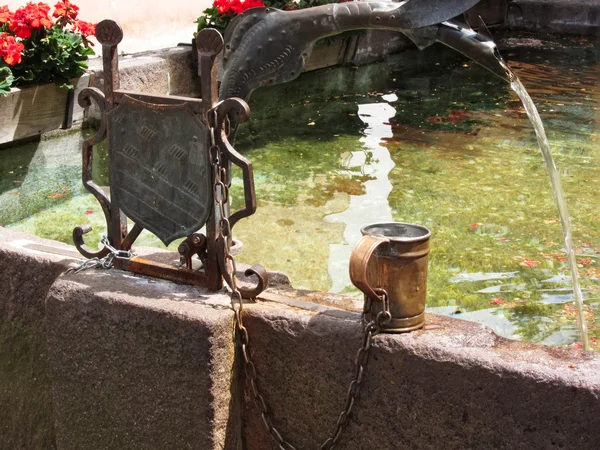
[555, 16]
[375, 45]
[140, 363]
[26, 274]
[162, 72]
[183, 77]
[454, 385]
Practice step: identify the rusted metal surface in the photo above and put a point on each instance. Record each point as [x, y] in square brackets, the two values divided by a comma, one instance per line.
[194, 244]
[169, 161]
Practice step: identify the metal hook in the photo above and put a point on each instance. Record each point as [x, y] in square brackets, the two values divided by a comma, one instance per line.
[263, 281]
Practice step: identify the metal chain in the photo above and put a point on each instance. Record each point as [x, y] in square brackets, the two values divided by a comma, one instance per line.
[102, 263]
[370, 329]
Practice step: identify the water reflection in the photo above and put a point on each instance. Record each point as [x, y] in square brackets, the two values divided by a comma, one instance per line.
[375, 162]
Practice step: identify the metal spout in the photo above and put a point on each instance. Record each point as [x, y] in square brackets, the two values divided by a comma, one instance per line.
[477, 46]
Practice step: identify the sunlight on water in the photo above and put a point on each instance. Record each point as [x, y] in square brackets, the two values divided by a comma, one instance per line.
[559, 197]
[374, 202]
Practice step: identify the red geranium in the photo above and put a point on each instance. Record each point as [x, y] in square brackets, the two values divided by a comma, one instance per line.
[35, 49]
[85, 28]
[10, 49]
[5, 14]
[237, 6]
[66, 9]
[248, 4]
[28, 18]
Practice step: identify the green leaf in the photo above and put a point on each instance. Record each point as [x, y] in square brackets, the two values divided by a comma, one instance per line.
[6, 80]
[88, 51]
[55, 57]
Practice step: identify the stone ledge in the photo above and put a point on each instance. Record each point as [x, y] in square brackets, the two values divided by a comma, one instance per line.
[165, 72]
[29, 267]
[140, 363]
[454, 385]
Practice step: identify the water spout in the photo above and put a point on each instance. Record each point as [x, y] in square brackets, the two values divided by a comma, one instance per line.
[478, 47]
[266, 46]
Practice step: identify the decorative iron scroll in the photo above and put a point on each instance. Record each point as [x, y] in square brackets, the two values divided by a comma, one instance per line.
[167, 157]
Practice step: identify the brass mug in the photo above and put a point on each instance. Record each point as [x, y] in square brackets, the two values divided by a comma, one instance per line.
[389, 265]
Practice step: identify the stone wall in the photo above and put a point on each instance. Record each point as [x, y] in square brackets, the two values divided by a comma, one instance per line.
[580, 17]
[105, 359]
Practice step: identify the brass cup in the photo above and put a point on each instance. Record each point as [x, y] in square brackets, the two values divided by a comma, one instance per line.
[390, 262]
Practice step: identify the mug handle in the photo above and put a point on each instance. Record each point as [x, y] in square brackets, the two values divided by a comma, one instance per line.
[360, 257]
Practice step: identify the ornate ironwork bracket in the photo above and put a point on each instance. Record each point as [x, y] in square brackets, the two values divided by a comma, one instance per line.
[167, 157]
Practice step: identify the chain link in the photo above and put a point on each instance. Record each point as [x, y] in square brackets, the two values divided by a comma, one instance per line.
[102, 263]
[370, 329]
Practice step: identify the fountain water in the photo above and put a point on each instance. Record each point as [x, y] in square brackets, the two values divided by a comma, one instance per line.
[559, 198]
[481, 48]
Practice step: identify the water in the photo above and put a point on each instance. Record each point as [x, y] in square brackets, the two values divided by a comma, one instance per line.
[559, 197]
[428, 138]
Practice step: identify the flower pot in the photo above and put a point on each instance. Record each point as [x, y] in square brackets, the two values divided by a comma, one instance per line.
[34, 110]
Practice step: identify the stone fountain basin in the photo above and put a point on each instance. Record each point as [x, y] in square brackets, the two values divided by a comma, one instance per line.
[106, 359]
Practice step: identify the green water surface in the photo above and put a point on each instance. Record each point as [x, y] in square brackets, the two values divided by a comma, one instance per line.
[424, 137]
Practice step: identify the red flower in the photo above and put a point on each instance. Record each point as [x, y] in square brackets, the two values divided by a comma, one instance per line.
[497, 301]
[66, 9]
[249, 4]
[223, 6]
[28, 18]
[85, 28]
[530, 263]
[237, 6]
[10, 49]
[5, 14]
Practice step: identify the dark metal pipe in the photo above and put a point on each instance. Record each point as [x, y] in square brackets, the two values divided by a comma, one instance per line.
[477, 46]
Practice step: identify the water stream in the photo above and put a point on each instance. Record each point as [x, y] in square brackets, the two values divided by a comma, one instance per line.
[559, 198]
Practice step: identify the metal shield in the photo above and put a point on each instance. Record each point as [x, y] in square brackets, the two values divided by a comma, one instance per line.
[159, 167]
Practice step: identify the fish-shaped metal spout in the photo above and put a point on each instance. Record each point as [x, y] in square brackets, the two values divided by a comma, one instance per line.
[478, 46]
[267, 46]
